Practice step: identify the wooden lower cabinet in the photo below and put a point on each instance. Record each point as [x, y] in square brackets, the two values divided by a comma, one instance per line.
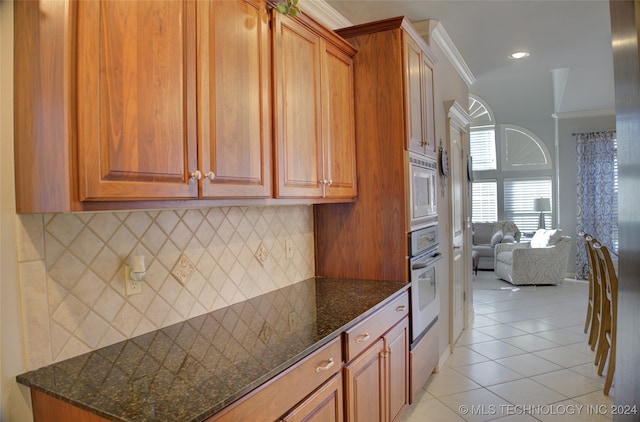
[377, 384]
[324, 405]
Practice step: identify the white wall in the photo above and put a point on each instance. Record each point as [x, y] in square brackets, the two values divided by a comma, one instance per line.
[15, 401]
[448, 85]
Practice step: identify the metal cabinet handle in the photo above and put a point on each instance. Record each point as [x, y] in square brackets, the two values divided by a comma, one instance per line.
[401, 308]
[362, 338]
[325, 367]
[196, 175]
[210, 175]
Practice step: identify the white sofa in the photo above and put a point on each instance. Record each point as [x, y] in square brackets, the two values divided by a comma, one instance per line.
[542, 261]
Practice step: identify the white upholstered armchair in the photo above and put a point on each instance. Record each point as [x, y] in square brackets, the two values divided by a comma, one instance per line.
[542, 261]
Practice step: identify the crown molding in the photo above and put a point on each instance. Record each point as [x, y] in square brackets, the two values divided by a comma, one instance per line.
[583, 114]
[323, 13]
[457, 114]
[434, 30]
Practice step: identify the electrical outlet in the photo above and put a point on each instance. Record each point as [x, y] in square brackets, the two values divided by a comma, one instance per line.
[131, 286]
[288, 248]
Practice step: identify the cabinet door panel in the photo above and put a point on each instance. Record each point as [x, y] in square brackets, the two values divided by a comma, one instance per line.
[324, 405]
[365, 386]
[413, 89]
[339, 124]
[135, 136]
[297, 109]
[234, 98]
[397, 343]
[428, 119]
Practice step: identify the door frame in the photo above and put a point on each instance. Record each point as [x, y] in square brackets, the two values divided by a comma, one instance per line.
[458, 120]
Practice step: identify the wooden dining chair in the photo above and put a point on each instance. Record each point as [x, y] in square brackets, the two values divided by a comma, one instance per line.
[608, 323]
[587, 322]
[595, 292]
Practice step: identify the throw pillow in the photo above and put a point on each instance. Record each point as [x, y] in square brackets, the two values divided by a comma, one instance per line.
[545, 238]
[496, 238]
[508, 238]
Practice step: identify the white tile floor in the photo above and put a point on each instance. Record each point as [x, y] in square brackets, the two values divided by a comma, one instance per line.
[524, 359]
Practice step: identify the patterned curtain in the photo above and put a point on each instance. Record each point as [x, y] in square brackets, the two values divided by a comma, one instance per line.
[597, 192]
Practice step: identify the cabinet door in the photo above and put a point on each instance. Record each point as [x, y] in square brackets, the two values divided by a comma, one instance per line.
[397, 363]
[234, 117]
[414, 108]
[136, 110]
[324, 405]
[338, 124]
[428, 119]
[365, 381]
[297, 68]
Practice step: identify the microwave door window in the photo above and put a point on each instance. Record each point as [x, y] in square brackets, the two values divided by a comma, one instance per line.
[423, 193]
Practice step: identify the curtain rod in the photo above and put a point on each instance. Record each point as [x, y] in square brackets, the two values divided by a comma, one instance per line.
[594, 133]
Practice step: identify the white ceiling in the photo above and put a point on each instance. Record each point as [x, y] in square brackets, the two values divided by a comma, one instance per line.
[573, 35]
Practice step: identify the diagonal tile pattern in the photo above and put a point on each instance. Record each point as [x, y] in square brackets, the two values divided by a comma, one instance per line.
[80, 275]
[525, 358]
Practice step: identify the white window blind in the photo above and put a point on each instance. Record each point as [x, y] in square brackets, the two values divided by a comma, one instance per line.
[484, 202]
[518, 202]
[482, 140]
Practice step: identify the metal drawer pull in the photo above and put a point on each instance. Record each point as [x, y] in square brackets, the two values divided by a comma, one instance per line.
[401, 308]
[362, 338]
[326, 367]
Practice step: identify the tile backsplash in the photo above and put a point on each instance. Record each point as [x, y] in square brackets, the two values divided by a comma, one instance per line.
[197, 260]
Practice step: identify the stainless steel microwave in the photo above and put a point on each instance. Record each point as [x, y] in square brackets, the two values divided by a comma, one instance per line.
[422, 185]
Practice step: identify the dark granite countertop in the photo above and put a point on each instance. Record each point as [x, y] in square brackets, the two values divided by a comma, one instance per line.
[191, 370]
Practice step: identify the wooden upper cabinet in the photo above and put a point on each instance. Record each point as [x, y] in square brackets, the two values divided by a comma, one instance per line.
[297, 109]
[136, 113]
[118, 103]
[314, 120]
[234, 109]
[418, 76]
[339, 124]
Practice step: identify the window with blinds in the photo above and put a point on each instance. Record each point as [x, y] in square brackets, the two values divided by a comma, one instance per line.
[482, 147]
[484, 205]
[519, 195]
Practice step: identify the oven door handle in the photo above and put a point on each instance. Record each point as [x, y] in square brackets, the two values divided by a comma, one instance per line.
[429, 261]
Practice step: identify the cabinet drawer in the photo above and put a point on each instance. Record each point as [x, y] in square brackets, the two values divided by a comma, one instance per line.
[368, 331]
[273, 399]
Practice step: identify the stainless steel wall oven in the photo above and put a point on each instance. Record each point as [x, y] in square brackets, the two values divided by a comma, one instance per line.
[425, 297]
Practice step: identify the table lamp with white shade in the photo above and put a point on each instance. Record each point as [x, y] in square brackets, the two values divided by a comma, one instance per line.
[542, 205]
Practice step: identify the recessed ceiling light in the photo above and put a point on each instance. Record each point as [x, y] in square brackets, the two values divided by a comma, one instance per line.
[519, 55]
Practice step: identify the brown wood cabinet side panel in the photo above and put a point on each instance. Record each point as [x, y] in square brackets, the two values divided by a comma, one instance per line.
[234, 98]
[47, 408]
[367, 239]
[43, 100]
[273, 399]
[136, 124]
